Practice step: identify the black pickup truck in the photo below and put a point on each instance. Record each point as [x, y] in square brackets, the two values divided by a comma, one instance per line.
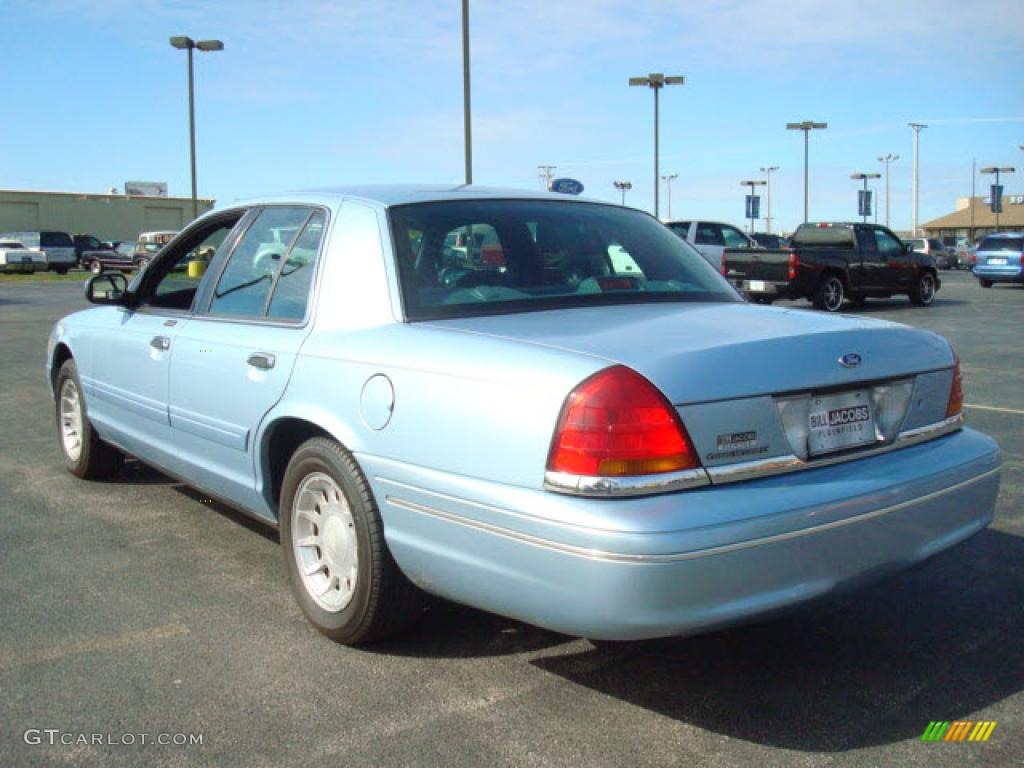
[830, 263]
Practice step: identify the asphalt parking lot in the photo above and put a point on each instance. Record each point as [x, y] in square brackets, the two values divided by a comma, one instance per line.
[138, 607]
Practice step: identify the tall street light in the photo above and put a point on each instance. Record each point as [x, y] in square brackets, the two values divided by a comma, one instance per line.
[623, 186]
[547, 172]
[668, 188]
[656, 81]
[917, 178]
[752, 183]
[887, 159]
[864, 177]
[767, 171]
[467, 122]
[184, 43]
[997, 171]
[806, 126]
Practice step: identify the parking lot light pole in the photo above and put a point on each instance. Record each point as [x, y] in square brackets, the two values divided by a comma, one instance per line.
[997, 171]
[668, 179]
[767, 171]
[917, 177]
[887, 159]
[806, 126]
[466, 119]
[184, 43]
[864, 177]
[656, 81]
[623, 186]
[752, 183]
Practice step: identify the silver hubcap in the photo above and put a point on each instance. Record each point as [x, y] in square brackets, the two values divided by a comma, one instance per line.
[71, 419]
[324, 542]
[927, 289]
[97, 267]
[833, 294]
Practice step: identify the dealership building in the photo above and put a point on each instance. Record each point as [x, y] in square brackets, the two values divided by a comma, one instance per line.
[973, 218]
[107, 216]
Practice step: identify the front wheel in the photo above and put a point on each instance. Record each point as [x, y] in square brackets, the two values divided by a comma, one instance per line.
[332, 538]
[830, 294]
[923, 292]
[85, 455]
[96, 267]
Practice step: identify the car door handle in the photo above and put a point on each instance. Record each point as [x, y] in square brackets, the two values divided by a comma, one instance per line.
[163, 343]
[262, 360]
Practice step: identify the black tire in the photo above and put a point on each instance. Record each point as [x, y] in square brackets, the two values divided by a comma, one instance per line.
[922, 293]
[96, 460]
[766, 300]
[984, 283]
[61, 270]
[140, 264]
[96, 267]
[383, 600]
[830, 293]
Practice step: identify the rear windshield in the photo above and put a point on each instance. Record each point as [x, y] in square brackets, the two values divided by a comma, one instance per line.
[1002, 244]
[56, 240]
[464, 258]
[839, 236]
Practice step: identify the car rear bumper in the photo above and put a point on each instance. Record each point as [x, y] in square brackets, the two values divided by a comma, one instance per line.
[1000, 274]
[689, 561]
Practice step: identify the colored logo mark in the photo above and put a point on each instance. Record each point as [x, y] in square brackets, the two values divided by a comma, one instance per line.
[958, 730]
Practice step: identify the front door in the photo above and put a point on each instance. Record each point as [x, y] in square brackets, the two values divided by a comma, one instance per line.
[233, 359]
[129, 375]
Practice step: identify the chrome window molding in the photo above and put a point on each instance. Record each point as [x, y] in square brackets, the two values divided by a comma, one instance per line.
[777, 465]
[638, 485]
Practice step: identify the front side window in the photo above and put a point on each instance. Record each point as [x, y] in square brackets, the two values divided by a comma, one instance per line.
[734, 238]
[887, 244]
[493, 256]
[172, 282]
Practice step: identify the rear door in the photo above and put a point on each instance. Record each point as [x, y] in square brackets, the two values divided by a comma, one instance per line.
[233, 358]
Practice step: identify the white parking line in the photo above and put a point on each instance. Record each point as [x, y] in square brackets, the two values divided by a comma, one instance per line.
[1015, 411]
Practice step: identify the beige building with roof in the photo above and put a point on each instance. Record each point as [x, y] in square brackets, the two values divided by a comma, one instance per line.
[108, 216]
[973, 218]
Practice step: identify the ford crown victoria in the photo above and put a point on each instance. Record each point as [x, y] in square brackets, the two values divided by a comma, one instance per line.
[585, 427]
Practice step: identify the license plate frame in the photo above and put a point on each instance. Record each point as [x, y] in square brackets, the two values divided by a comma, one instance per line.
[840, 421]
[997, 262]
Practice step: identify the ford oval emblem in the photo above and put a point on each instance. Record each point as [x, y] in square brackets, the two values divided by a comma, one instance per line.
[850, 360]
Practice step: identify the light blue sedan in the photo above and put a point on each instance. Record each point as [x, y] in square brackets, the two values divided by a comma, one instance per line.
[572, 419]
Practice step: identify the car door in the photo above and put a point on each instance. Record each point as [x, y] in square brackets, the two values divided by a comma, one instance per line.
[232, 360]
[896, 267]
[130, 349]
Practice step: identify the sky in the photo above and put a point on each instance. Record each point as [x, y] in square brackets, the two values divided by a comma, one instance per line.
[315, 93]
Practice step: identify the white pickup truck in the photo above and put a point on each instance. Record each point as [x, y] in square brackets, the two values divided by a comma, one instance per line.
[15, 257]
[711, 238]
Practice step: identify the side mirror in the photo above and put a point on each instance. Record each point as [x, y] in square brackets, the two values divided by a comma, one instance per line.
[107, 288]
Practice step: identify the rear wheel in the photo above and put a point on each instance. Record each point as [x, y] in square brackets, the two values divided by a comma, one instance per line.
[985, 283]
[830, 293]
[85, 455]
[61, 270]
[332, 538]
[923, 292]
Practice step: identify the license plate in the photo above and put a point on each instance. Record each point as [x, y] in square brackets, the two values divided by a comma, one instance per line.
[997, 262]
[838, 422]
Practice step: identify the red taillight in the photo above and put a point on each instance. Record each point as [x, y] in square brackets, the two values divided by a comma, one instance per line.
[794, 262]
[956, 393]
[616, 423]
[725, 268]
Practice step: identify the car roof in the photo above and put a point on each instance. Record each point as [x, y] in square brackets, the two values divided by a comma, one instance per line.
[1003, 234]
[403, 194]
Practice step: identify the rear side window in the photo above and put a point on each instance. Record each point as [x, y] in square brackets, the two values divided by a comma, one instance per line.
[56, 240]
[245, 285]
[708, 234]
[291, 292]
[1002, 244]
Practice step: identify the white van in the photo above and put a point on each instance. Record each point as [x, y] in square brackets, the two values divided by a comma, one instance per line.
[58, 248]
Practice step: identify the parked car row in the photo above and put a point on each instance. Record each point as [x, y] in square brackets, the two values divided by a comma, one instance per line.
[42, 250]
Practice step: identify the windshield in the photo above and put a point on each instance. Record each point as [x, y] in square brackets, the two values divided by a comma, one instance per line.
[481, 257]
